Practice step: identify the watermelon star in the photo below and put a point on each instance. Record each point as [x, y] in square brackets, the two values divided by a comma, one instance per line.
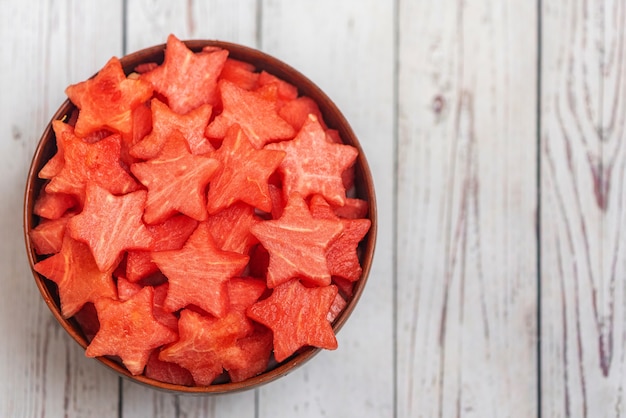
[244, 173]
[297, 244]
[176, 181]
[165, 122]
[129, 330]
[198, 273]
[313, 165]
[297, 315]
[110, 225]
[185, 78]
[342, 257]
[207, 345]
[108, 100]
[85, 162]
[257, 116]
[77, 276]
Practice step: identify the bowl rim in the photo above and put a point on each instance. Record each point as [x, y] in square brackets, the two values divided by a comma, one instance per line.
[332, 116]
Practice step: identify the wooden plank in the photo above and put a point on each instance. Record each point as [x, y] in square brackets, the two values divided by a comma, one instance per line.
[149, 23]
[582, 211]
[347, 49]
[467, 283]
[47, 46]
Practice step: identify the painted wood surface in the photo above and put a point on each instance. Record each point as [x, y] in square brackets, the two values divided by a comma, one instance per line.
[583, 209]
[466, 248]
[494, 131]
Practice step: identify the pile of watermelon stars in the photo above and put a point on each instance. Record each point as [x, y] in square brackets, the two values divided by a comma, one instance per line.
[198, 218]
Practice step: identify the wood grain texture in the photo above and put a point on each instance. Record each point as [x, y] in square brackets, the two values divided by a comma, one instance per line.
[346, 48]
[583, 76]
[467, 277]
[149, 23]
[47, 46]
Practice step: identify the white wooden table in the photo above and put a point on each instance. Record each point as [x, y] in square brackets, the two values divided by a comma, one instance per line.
[495, 131]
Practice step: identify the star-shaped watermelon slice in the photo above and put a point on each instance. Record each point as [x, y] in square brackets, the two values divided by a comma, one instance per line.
[77, 276]
[129, 330]
[297, 315]
[108, 100]
[257, 116]
[244, 173]
[342, 256]
[297, 244]
[84, 162]
[165, 122]
[313, 165]
[111, 224]
[187, 79]
[207, 345]
[176, 181]
[198, 273]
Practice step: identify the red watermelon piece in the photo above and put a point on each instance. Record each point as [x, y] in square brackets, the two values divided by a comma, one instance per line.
[333, 136]
[108, 100]
[77, 276]
[47, 236]
[53, 205]
[187, 79]
[297, 111]
[243, 174]
[142, 126]
[353, 209]
[128, 329]
[167, 372]
[145, 67]
[198, 273]
[165, 122]
[97, 162]
[286, 91]
[207, 345]
[297, 316]
[256, 351]
[243, 292]
[168, 319]
[176, 181]
[341, 255]
[55, 164]
[126, 289]
[297, 244]
[256, 116]
[339, 304]
[278, 201]
[240, 73]
[230, 228]
[313, 165]
[169, 235]
[111, 225]
[346, 287]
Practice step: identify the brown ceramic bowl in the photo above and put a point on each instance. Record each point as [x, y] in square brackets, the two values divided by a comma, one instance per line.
[334, 119]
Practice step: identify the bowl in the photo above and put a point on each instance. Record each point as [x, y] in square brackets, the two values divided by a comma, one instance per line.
[334, 119]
